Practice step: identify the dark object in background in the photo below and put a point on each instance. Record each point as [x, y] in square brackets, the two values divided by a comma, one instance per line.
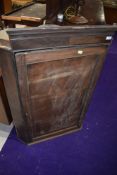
[110, 9]
[5, 6]
[74, 15]
[31, 14]
[35, 13]
[92, 10]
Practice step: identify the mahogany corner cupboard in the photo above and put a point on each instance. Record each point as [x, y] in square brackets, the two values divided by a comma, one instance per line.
[49, 74]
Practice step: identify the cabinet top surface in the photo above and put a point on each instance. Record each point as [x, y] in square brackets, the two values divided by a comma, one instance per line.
[47, 36]
[51, 28]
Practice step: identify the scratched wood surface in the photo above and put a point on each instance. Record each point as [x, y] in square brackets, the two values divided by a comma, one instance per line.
[52, 90]
[53, 71]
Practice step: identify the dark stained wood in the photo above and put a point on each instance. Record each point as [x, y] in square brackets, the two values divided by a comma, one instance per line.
[5, 6]
[5, 113]
[53, 89]
[110, 14]
[11, 88]
[52, 82]
[53, 8]
[53, 71]
[49, 36]
[95, 12]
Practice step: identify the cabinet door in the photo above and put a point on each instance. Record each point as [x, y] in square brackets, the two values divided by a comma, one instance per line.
[54, 84]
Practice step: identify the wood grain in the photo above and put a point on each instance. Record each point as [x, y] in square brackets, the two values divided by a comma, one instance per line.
[53, 86]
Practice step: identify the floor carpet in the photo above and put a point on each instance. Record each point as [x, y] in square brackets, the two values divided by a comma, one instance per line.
[91, 151]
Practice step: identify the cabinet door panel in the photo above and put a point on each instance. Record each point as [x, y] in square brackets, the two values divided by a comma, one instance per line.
[52, 89]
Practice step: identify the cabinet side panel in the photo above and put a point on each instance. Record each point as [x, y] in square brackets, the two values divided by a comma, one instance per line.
[11, 87]
[93, 83]
[5, 113]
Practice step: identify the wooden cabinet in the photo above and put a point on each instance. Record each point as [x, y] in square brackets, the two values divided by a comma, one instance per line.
[50, 72]
[5, 6]
[5, 112]
[53, 71]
